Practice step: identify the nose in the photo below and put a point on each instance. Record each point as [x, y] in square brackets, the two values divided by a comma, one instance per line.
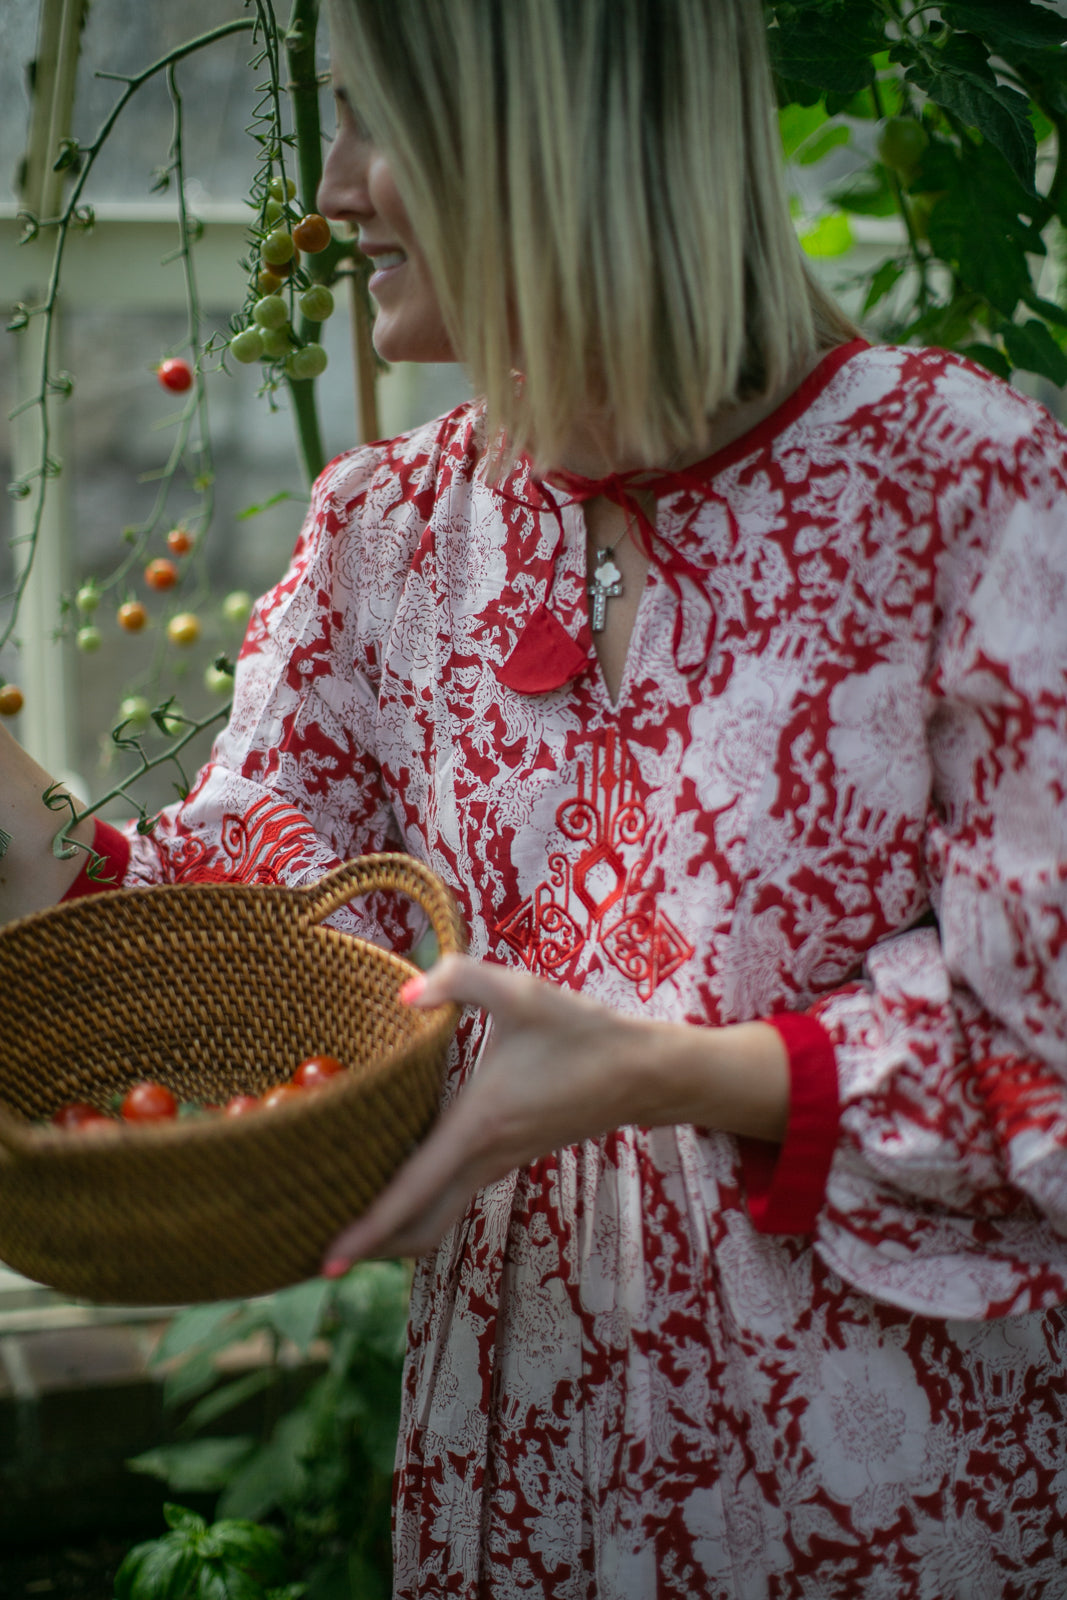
[343, 194]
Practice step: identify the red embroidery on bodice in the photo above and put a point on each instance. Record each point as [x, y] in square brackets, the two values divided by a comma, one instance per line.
[591, 895]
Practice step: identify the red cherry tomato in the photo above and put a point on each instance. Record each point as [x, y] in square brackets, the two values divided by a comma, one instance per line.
[240, 1104]
[175, 374]
[74, 1114]
[179, 542]
[149, 1102]
[280, 1094]
[315, 1071]
[11, 701]
[161, 573]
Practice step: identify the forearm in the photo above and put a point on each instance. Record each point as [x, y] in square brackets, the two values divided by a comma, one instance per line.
[31, 876]
[735, 1079]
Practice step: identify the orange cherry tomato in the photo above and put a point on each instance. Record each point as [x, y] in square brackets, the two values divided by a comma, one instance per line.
[132, 615]
[312, 234]
[161, 574]
[280, 1094]
[179, 541]
[11, 701]
[149, 1102]
[316, 1070]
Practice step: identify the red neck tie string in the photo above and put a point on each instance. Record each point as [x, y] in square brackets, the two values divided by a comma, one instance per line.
[678, 570]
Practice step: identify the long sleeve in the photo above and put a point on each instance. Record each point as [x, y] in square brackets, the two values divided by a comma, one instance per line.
[947, 1191]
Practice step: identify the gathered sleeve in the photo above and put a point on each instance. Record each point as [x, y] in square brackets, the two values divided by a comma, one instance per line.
[292, 787]
[941, 1148]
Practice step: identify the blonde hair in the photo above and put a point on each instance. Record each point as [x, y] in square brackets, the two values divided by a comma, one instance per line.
[597, 188]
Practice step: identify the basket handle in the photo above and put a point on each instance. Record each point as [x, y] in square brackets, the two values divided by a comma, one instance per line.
[389, 870]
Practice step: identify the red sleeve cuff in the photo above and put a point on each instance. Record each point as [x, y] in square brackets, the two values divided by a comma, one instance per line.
[785, 1184]
[115, 849]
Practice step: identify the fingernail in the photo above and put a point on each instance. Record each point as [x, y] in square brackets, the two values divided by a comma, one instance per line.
[335, 1269]
[412, 989]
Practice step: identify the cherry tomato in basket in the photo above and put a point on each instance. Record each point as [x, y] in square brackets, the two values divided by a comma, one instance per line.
[315, 1071]
[280, 1094]
[239, 1104]
[74, 1114]
[148, 1102]
[98, 1124]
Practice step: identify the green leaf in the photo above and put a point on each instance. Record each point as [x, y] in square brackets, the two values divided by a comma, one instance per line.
[832, 236]
[198, 1326]
[182, 1520]
[163, 1569]
[296, 1314]
[275, 1475]
[830, 138]
[1008, 22]
[827, 51]
[988, 356]
[217, 1402]
[258, 1550]
[886, 277]
[265, 505]
[1033, 348]
[999, 113]
[797, 124]
[202, 1466]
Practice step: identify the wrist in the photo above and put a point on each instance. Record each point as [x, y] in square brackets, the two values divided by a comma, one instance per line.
[735, 1079]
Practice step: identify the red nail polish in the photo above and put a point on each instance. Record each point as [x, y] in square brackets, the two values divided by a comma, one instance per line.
[335, 1269]
[411, 990]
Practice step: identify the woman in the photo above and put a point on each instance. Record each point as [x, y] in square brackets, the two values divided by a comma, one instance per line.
[716, 660]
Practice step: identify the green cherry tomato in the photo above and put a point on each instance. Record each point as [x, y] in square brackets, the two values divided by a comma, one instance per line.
[273, 211]
[271, 312]
[316, 303]
[237, 606]
[217, 681]
[89, 638]
[307, 363]
[277, 248]
[247, 345]
[277, 342]
[282, 188]
[135, 712]
[87, 598]
[901, 144]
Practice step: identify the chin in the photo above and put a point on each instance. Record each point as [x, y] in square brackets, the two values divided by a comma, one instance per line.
[397, 343]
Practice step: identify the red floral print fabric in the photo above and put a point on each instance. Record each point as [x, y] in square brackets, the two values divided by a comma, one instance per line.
[852, 814]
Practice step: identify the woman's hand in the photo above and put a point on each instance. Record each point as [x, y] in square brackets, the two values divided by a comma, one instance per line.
[559, 1068]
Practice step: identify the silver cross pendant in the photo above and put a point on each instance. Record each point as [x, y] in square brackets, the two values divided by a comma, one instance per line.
[604, 585]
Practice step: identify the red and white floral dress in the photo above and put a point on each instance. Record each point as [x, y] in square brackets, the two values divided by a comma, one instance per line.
[667, 1363]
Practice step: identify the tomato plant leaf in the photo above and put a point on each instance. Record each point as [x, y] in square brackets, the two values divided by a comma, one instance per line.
[200, 1466]
[988, 356]
[1032, 347]
[826, 47]
[887, 276]
[1000, 113]
[296, 1314]
[218, 1401]
[1011, 23]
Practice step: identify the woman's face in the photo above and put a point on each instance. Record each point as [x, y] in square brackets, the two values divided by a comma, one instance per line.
[357, 187]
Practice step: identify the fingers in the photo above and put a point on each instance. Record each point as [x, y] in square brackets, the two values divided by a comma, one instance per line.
[426, 1196]
[464, 981]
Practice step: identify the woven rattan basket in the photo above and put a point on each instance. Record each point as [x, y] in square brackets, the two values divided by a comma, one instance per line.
[211, 989]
